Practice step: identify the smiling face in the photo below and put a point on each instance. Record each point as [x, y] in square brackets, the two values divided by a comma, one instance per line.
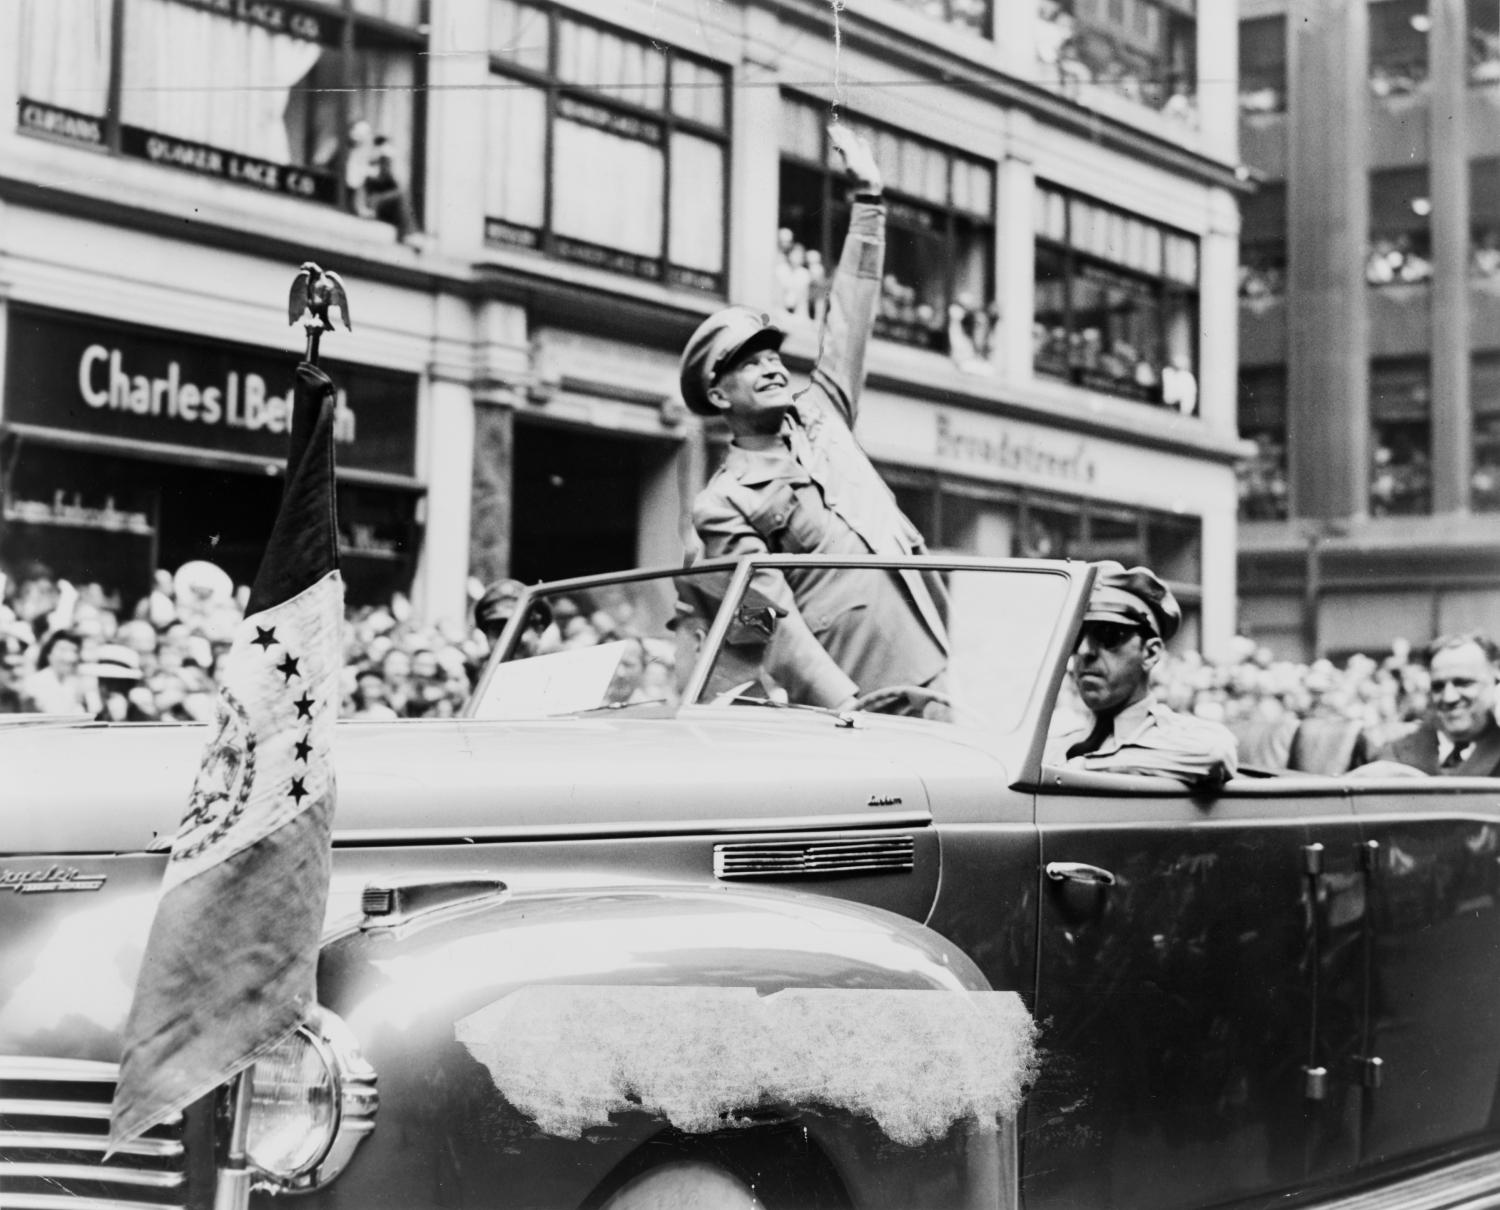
[1463, 691]
[753, 393]
[1112, 665]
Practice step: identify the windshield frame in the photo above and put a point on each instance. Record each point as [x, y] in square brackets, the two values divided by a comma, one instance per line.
[1051, 665]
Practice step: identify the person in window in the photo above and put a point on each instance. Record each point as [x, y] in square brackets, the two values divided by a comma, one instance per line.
[795, 480]
[1459, 737]
[1131, 614]
[385, 194]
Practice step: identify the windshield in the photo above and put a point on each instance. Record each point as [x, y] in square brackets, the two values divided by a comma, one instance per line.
[951, 644]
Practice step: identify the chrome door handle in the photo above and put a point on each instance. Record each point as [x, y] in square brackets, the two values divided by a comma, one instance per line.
[1077, 871]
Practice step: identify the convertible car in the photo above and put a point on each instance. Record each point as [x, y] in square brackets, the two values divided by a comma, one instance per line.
[643, 926]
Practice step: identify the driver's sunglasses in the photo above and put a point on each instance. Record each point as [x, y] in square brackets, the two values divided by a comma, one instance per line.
[1107, 636]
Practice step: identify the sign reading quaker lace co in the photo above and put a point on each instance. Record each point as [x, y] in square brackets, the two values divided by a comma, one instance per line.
[90, 376]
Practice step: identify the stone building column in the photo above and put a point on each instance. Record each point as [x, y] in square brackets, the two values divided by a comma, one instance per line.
[1015, 251]
[1328, 202]
[1448, 188]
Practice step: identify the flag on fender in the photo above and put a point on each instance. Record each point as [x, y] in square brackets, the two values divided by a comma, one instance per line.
[230, 965]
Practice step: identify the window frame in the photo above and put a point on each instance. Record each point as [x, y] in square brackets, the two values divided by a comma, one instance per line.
[1165, 287]
[833, 212]
[547, 241]
[325, 186]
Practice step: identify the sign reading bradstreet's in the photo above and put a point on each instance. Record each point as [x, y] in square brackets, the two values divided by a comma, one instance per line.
[91, 376]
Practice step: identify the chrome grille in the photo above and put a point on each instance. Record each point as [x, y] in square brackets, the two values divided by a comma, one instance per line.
[812, 858]
[54, 1127]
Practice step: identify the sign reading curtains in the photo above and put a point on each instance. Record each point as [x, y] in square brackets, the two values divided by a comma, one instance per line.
[1116, 301]
[263, 95]
[576, 108]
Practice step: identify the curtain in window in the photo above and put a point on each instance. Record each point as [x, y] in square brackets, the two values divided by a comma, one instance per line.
[201, 77]
[515, 185]
[65, 53]
[402, 12]
[698, 93]
[385, 83]
[588, 205]
[697, 218]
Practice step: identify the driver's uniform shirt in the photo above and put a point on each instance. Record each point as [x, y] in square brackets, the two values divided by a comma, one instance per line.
[1150, 737]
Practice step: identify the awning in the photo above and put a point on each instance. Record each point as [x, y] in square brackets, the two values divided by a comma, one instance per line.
[153, 451]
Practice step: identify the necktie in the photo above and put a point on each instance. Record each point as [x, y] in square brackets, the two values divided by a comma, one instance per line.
[1094, 740]
[1454, 758]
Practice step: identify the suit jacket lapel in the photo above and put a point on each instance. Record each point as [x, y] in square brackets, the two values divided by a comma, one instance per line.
[1484, 757]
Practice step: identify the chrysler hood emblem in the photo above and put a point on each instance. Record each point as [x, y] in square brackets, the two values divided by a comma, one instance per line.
[49, 878]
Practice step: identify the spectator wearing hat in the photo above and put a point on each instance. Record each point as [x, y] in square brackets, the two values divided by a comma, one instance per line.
[1130, 616]
[1459, 737]
[122, 697]
[795, 480]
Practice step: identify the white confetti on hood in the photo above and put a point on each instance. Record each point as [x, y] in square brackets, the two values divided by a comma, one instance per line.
[915, 1061]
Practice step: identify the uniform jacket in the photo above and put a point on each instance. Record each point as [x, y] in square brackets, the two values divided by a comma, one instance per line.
[1419, 749]
[844, 632]
[1152, 738]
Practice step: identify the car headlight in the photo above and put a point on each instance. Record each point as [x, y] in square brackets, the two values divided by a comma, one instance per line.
[294, 1107]
[312, 1101]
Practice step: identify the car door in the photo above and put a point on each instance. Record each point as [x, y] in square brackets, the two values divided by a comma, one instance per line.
[1197, 981]
[1432, 1051]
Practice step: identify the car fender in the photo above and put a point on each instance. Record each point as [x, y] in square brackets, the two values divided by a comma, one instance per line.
[496, 1028]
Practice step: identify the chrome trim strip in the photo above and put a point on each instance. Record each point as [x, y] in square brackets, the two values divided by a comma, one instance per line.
[26, 1067]
[1472, 1184]
[61, 1201]
[39, 1140]
[92, 1110]
[107, 1173]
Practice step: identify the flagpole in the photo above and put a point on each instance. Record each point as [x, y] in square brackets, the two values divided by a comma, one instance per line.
[314, 291]
[232, 1190]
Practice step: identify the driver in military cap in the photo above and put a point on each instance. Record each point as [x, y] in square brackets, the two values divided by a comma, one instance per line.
[796, 481]
[1131, 615]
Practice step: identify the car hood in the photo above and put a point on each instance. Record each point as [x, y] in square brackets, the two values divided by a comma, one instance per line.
[93, 788]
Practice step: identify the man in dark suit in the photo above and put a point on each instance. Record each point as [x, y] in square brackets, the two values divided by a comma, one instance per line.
[1459, 737]
[796, 481]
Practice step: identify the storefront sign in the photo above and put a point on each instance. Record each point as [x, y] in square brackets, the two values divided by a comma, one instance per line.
[268, 14]
[94, 377]
[61, 123]
[993, 445]
[228, 165]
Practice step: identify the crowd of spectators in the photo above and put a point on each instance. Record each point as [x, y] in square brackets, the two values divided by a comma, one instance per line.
[1075, 53]
[70, 650]
[67, 649]
[965, 331]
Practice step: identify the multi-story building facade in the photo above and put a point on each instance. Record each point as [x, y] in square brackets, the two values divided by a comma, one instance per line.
[1370, 291]
[561, 191]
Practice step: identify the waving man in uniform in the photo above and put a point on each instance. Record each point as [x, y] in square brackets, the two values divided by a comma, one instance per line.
[796, 481]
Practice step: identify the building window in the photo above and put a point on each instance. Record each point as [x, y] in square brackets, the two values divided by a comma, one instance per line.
[1398, 47]
[1484, 217]
[1262, 419]
[1263, 65]
[1400, 246]
[1116, 301]
[1263, 243]
[1145, 50]
[578, 110]
[1484, 385]
[939, 286]
[1400, 437]
[1484, 41]
[962, 516]
[972, 15]
[321, 103]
